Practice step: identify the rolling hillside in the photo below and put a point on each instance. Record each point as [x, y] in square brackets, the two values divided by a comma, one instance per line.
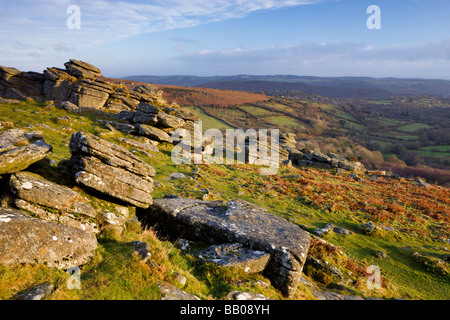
[331, 87]
[406, 135]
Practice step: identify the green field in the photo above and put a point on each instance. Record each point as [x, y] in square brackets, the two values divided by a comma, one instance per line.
[285, 121]
[437, 148]
[413, 127]
[258, 112]
[209, 122]
[279, 107]
[429, 153]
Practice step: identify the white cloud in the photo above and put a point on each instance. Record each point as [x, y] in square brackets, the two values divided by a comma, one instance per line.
[332, 59]
[41, 25]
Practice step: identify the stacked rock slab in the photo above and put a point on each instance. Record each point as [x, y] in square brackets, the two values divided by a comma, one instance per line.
[111, 169]
[310, 158]
[58, 84]
[15, 84]
[236, 222]
[90, 94]
[24, 239]
[52, 202]
[82, 69]
[19, 150]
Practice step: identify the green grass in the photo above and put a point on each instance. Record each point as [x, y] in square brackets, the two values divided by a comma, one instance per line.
[413, 127]
[426, 153]
[255, 111]
[209, 122]
[279, 107]
[284, 121]
[356, 126]
[437, 148]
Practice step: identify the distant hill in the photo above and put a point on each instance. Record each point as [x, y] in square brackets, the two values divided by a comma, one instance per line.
[331, 87]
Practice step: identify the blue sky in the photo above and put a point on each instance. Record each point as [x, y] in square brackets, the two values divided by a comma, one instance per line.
[207, 37]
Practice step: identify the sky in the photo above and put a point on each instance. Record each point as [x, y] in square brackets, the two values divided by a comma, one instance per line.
[218, 37]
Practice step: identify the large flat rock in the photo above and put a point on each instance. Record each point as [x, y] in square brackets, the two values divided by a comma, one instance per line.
[24, 239]
[17, 151]
[237, 221]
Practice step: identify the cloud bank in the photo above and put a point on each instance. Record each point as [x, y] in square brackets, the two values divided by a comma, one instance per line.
[329, 59]
[37, 29]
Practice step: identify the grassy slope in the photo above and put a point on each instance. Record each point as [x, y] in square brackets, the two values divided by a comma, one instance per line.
[320, 119]
[309, 197]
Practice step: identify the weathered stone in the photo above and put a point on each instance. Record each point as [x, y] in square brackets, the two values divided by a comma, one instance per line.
[54, 74]
[180, 279]
[171, 292]
[39, 195]
[147, 89]
[112, 218]
[241, 222]
[82, 69]
[354, 176]
[169, 121]
[329, 295]
[146, 113]
[8, 100]
[10, 75]
[382, 255]
[59, 90]
[24, 239]
[124, 127]
[90, 94]
[38, 292]
[109, 153]
[340, 230]
[320, 232]
[176, 175]
[183, 244]
[113, 106]
[154, 133]
[142, 249]
[320, 157]
[69, 219]
[368, 228]
[17, 152]
[184, 114]
[235, 255]
[85, 65]
[242, 295]
[422, 183]
[115, 182]
[111, 169]
[69, 106]
[352, 166]
[15, 84]
[146, 146]
[126, 98]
